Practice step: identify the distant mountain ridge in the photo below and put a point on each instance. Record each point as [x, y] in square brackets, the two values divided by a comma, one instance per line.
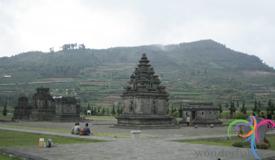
[207, 53]
[202, 65]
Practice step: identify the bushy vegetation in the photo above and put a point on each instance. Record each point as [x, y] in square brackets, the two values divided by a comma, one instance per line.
[237, 110]
[5, 110]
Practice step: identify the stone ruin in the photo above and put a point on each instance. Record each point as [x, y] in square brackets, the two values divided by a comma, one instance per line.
[201, 113]
[145, 101]
[45, 107]
[23, 109]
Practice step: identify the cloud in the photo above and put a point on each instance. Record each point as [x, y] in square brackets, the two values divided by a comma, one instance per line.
[245, 25]
[47, 24]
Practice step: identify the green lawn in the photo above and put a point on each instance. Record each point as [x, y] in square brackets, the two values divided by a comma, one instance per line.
[15, 139]
[212, 141]
[225, 142]
[271, 139]
[22, 126]
[6, 157]
[101, 118]
[112, 134]
[5, 118]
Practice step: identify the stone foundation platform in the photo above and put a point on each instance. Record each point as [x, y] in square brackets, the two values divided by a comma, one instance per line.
[203, 123]
[146, 121]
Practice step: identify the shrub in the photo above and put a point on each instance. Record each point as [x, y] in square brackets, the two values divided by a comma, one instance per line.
[175, 114]
[5, 110]
[240, 115]
[263, 146]
[238, 144]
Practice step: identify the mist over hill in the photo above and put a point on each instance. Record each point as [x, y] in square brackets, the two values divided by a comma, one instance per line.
[197, 71]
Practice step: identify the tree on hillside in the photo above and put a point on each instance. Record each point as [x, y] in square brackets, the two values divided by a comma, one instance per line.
[73, 45]
[243, 108]
[259, 105]
[226, 105]
[119, 110]
[232, 109]
[270, 107]
[113, 110]
[94, 110]
[102, 112]
[81, 46]
[237, 104]
[98, 110]
[66, 47]
[88, 107]
[70, 46]
[5, 110]
[51, 50]
[180, 111]
[256, 108]
[220, 108]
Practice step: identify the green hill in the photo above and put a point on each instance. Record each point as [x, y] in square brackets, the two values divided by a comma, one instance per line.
[197, 71]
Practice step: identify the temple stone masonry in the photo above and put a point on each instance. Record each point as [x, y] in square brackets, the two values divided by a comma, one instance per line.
[66, 108]
[145, 101]
[45, 107]
[23, 109]
[201, 113]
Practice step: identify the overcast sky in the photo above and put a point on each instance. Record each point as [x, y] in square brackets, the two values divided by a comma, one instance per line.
[243, 25]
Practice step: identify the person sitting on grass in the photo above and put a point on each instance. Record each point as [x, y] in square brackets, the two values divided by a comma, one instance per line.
[76, 129]
[86, 130]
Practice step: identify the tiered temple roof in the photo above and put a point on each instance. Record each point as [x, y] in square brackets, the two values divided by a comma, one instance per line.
[144, 81]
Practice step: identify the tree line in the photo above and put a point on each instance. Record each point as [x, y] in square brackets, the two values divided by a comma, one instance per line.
[259, 108]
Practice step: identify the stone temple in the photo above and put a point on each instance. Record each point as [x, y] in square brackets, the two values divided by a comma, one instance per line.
[145, 101]
[45, 107]
[201, 113]
[23, 109]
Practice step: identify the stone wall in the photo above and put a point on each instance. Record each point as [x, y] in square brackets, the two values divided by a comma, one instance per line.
[23, 109]
[46, 108]
[139, 105]
[201, 113]
[67, 109]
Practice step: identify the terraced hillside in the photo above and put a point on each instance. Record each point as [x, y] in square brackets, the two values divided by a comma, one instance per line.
[198, 71]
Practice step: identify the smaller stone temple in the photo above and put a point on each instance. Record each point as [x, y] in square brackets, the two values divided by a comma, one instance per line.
[67, 108]
[45, 107]
[145, 101]
[23, 109]
[201, 114]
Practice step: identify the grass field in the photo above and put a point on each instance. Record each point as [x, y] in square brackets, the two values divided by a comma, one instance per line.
[20, 139]
[15, 139]
[6, 157]
[225, 142]
[101, 118]
[20, 126]
[5, 118]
